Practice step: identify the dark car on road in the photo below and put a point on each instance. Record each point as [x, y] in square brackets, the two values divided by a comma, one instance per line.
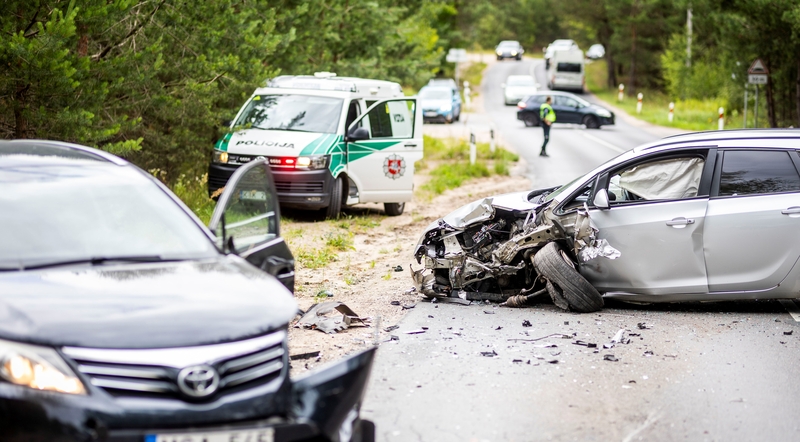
[509, 49]
[124, 318]
[569, 108]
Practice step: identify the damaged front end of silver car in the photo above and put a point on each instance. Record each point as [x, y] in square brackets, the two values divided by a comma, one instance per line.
[486, 251]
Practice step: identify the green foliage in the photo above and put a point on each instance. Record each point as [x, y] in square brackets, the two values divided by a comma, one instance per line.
[316, 258]
[194, 193]
[341, 242]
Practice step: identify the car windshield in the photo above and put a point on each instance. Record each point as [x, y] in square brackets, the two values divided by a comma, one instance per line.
[75, 210]
[434, 94]
[508, 44]
[304, 113]
[521, 81]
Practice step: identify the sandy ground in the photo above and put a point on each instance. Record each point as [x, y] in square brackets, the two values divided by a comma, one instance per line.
[364, 277]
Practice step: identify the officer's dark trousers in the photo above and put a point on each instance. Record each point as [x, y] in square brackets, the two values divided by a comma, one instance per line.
[546, 128]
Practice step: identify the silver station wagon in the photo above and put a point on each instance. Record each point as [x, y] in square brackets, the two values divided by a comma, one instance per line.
[700, 216]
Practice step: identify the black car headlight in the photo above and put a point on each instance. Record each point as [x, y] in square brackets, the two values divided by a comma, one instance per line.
[37, 367]
[312, 162]
[220, 157]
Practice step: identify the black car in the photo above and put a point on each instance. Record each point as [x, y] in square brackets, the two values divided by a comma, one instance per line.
[509, 49]
[123, 318]
[569, 108]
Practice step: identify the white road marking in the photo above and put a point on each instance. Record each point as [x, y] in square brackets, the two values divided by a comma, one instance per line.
[792, 308]
[605, 143]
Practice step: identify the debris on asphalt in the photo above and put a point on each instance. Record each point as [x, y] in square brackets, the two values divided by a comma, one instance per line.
[300, 356]
[414, 332]
[643, 326]
[410, 291]
[611, 358]
[454, 301]
[488, 312]
[527, 323]
[499, 328]
[585, 344]
[489, 354]
[395, 303]
[788, 333]
[390, 328]
[408, 306]
[648, 353]
[394, 338]
[398, 268]
[560, 335]
[566, 322]
[618, 336]
[322, 317]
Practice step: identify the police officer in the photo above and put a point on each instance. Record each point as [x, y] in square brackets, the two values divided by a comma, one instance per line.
[547, 116]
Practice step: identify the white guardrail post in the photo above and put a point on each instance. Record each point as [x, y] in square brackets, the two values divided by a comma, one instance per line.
[639, 103]
[620, 96]
[721, 125]
[671, 111]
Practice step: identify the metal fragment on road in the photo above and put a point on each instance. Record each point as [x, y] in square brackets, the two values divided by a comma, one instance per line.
[643, 326]
[527, 323]
[300, 356]
[560, 335]
[390, 328]
[398, 268]
[414, 332]
[788, 333]
[395, 303]
[489, 354]
[322, 317]
[585, 344]
[618, 336]
[610, 358]
[408, 306]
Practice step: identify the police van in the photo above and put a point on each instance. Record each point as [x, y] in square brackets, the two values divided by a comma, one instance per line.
[330, 141]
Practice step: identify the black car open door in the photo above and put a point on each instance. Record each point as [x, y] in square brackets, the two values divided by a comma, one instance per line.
[246, 222]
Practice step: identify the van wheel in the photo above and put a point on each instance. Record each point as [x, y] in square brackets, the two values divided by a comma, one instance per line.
[394, 209]
[564, 282]
[591, 122]
[335, 207]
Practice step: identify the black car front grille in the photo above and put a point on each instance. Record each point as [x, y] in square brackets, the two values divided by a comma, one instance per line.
[134, 379]
[299, 186]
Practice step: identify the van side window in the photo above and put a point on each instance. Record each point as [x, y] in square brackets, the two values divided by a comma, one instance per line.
[393, 119]
[352, 113]
[748, 172]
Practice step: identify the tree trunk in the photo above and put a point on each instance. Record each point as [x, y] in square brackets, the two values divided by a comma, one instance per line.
[20, 122]
[797, 93]
[612, 71]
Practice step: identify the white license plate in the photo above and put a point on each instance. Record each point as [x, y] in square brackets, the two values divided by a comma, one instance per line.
[253, 195]
[431, 114]
[259, 435]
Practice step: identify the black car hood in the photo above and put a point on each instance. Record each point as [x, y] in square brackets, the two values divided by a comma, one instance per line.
[143, 305]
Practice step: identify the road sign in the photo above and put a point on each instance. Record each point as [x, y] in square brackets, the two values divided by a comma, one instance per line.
[758, 68]
[757, 78]
[456, 55]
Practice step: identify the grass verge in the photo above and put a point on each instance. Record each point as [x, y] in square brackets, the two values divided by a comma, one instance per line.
[688, 114]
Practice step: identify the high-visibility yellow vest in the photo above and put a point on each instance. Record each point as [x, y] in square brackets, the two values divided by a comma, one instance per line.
[550, 115]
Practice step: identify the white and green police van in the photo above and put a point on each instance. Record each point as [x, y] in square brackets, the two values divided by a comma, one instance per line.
[330, 141]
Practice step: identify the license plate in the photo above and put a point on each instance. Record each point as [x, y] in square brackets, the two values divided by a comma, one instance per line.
[253, 195]
[258, 435]
[431, 114]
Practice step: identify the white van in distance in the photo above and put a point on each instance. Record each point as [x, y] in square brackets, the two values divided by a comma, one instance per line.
[566, 70]
[331, 142]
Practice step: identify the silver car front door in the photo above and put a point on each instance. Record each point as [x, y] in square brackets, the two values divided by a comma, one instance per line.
[751, 239]
[656, 221]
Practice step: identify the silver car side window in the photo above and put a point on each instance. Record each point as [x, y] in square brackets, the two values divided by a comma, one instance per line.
[749, 172]
[671, 179]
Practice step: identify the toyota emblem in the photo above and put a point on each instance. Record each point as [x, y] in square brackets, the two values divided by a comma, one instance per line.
[198, 381]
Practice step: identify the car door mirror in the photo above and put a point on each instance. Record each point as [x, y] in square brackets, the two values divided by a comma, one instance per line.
[358, 134]
[247, 213]
[601, 199]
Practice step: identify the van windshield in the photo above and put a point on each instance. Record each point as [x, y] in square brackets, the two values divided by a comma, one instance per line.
[304, 113]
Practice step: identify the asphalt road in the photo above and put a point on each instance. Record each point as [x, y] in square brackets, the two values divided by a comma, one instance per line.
[691, 371]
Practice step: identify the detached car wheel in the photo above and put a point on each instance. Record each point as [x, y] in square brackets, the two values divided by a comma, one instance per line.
[564, 281]
[335, 207]
[394, 209]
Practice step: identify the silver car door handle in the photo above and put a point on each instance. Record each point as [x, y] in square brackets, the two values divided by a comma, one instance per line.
[680, 222]
[410, 145]
[791, 210]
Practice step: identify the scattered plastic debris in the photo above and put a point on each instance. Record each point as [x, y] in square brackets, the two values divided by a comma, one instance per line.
[390, 328]
[499, 328]
[454, 301]
[395, 303]
[648, 353]
[643, 326]
[585, 344]
[408, 306]
[610, 358]
[560, 335]
[788, 333]
[300, 356]
[489, 354]
[488, 312]
[414, 332]
[322, 317]
[527, 323]
[394, 338]
[398, 268]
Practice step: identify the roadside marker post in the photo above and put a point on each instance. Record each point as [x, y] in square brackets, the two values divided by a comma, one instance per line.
[620, 96]
[639, 103]
[492, 146]
[721, 124]
[671, 111]
[473, 150]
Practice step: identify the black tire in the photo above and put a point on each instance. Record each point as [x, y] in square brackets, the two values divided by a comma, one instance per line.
[334, 209]
[458, 116]
[560, 272]
[394, 209]
[591, 122]
[531, 121]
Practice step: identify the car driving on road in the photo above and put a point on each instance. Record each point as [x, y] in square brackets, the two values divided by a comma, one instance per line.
[696, 217]
[509, 49]
[569, 108]
[123, 318]
[517, 87]
[441, 103]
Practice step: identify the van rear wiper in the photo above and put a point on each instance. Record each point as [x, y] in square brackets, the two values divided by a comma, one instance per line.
[95, 260]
